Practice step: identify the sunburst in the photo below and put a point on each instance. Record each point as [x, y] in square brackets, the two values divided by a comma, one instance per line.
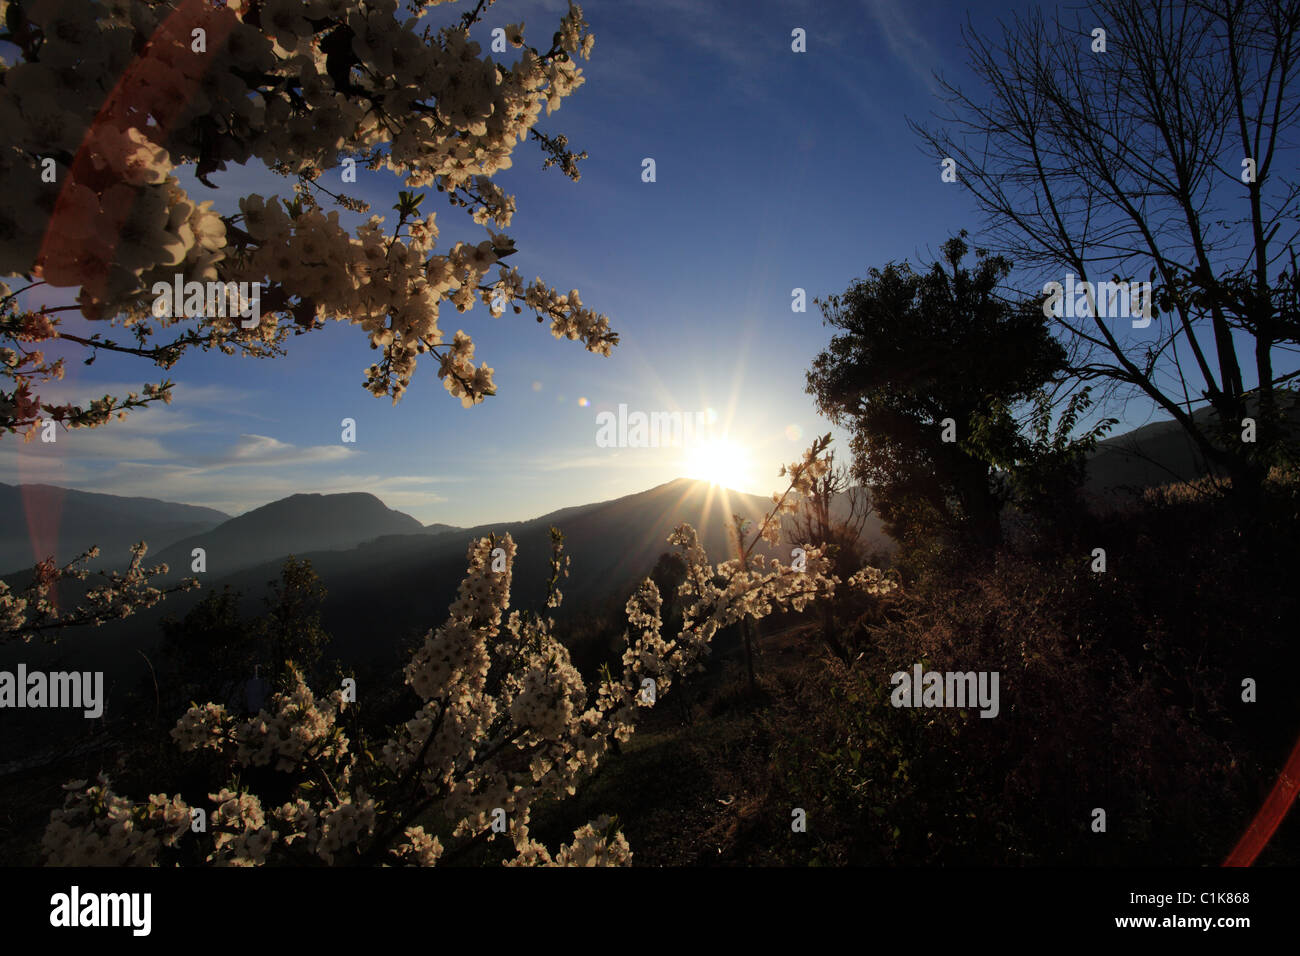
[720, 461]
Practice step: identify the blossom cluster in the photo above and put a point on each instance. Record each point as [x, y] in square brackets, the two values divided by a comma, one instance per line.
[97, 827]
[872, 581]
[26, 614]
[114, 96]
[504, 719]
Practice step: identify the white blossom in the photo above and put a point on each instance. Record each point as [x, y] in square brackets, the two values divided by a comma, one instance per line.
[504, 719]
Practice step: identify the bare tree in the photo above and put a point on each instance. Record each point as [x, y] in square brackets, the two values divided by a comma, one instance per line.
[1162, 149]
[835, 513]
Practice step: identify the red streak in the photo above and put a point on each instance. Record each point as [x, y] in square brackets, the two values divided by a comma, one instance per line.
[126, 105]
[130, 104]
[1270, 815]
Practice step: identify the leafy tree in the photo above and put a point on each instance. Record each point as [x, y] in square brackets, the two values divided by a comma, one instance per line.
[213, 652]
[914, 349]
[289, 633]
[207, 654]
[1040, 471]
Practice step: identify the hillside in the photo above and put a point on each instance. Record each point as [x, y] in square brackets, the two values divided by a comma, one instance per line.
[396, 585]
[299, 523]
[46, 519]
[612, 546]
[1154, 454]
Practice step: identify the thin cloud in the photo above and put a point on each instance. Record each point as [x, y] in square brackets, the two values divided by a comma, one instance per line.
[213, 488]
[81, 444]
[265, 450]
[905, 41]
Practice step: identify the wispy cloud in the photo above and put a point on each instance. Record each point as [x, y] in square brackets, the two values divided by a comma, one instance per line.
[589, 461]
[237, 491]
[98, 456]
[156, 418]
[739, 48]
[149, 434]
[264, 450]
[906, 42]
[634, 459]
[80, 445]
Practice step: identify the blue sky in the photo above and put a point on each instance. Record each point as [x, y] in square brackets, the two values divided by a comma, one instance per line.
[775, 170]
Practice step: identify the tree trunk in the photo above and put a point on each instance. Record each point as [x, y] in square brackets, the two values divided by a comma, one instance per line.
[745, 626]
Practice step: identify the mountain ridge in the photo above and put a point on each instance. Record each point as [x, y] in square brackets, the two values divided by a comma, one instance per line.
[306, 522]
[301, 522]
[64, 522]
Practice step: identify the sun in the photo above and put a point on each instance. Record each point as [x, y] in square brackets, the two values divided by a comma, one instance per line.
[720, 462]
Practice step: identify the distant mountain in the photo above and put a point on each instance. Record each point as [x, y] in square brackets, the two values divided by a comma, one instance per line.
[293, 525]
[612, 546]
[389, 579]
[1155, 454]
[45, 519]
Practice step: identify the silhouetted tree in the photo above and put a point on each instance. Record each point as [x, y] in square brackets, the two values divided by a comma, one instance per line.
[208, 653]
[214, 651]
[835, 513]
[1040, 467]
[668, 574]
[913, 350]
[1156, 150]
[290, 629]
